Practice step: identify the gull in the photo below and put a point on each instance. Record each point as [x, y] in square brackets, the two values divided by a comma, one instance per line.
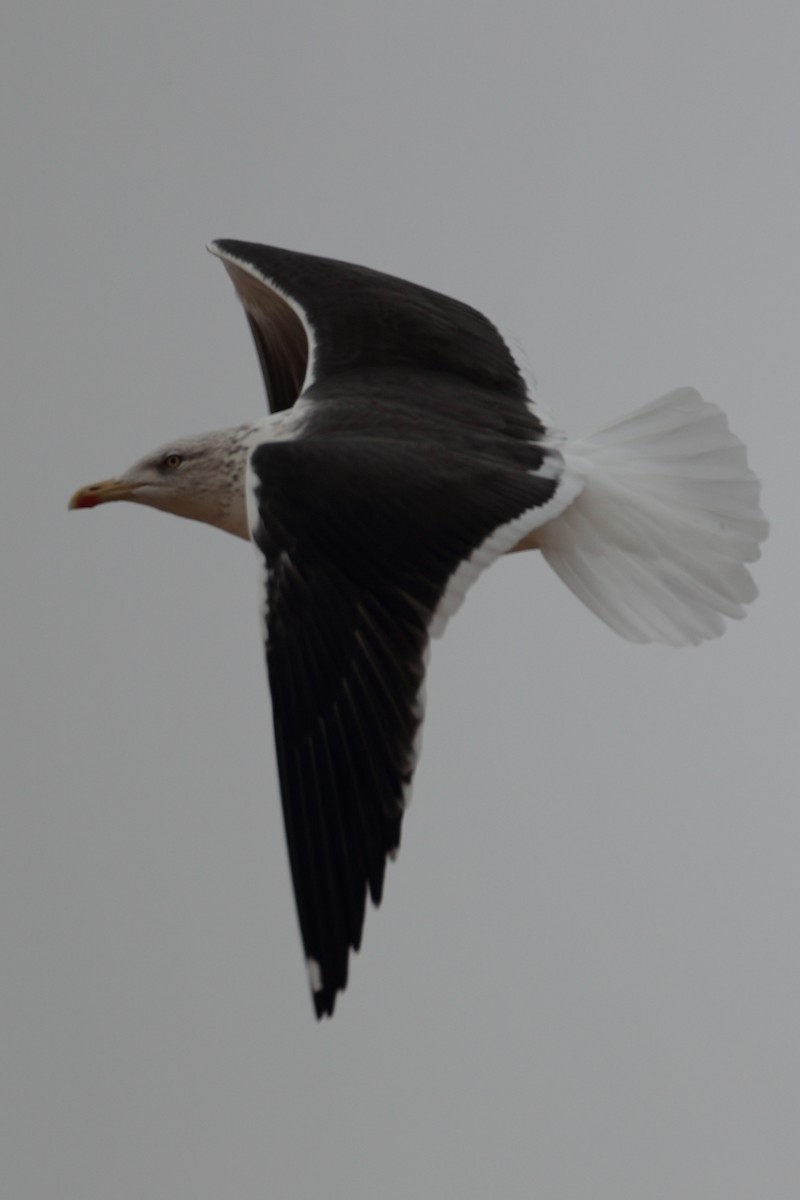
[403, 454]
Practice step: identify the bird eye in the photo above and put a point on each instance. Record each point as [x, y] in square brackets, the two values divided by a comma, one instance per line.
[171, 461]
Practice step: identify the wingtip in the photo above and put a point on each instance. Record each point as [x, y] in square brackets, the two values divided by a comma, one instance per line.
[324, 1003]
[324, 996]
[225, 248]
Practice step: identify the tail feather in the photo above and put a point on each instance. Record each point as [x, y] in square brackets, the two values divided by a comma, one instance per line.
[655, 543]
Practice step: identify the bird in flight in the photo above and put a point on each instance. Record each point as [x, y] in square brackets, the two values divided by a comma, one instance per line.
[402, 455]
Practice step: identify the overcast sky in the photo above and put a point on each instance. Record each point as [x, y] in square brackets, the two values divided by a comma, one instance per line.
[584, 981]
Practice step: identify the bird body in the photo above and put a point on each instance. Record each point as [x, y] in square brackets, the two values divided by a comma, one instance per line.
[403, 455]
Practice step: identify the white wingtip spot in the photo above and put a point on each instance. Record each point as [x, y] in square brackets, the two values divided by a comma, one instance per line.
[314, 974]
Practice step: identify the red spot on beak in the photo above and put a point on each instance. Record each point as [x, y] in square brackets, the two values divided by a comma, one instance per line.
[99, 493]
[85, 499]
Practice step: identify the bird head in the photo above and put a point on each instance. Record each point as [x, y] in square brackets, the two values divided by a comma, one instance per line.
[199, 477]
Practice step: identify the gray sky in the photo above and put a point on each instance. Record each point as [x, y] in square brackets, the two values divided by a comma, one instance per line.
[584, 979]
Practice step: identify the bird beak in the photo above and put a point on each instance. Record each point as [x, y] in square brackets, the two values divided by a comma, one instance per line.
[101, 493]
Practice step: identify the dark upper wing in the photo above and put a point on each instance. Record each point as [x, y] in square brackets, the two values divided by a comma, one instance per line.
[366, 539]
[416, 460]
[314, 318]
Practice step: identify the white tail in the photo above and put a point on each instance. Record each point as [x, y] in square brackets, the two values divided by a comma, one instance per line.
[655, 543]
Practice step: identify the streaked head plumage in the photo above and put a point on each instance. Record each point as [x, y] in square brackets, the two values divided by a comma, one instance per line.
[200, 477]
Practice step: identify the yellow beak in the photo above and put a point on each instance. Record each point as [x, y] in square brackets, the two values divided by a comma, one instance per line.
[101, 493]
